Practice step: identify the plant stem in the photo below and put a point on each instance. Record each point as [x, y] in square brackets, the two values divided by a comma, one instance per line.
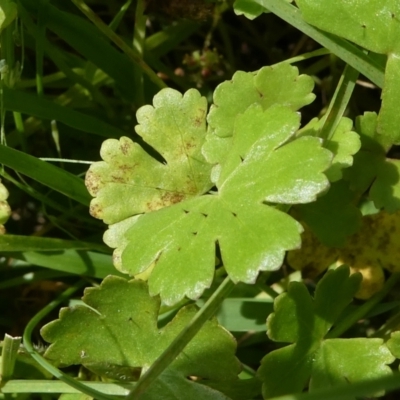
[180, 342]
[361, 311]
[107, 31]
[339, 102]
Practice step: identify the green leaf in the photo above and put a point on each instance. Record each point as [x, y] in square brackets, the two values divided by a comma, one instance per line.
[8, 12]
[344, 144]
[27, 103]
[108, 334]
[176, 244]
[172, 385]
[333, 217]
[303, 321]
[129, 181]
[248, 8]
[277, 84]
[374, 25]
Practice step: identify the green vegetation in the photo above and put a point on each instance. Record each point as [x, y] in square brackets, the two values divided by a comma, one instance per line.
[199, 202]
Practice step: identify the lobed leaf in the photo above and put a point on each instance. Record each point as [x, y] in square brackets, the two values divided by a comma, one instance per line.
[303, 321]
[116, 335]
[129, 181]
[277, 84]
[176, 245]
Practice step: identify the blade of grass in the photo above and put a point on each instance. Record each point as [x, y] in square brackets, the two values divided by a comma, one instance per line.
[26, 103]
[47, 174]
[35, 243]
[52, 387]
[347, 322]
[348, 52]
[139, 34]
[339, 102]
[77, 262]
[8, 357]
[180, 342]
[39, 50]
[110, 34]
[83, 37]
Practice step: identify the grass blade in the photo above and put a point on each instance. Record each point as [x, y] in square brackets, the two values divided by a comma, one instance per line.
[343, 49]
[47, 174]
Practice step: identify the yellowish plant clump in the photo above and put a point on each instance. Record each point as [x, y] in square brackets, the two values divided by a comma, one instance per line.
[5, 210]
[374, 247]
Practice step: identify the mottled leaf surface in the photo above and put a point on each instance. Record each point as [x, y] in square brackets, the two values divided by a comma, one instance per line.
[129, 181]
[310, 359]
[177, 243]
[116, 335]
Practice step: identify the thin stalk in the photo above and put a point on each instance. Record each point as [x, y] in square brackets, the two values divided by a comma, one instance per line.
[360, 312]
[139, 35]
[110, 34]
[180, 342]
[339, 102]
[39, 51]
[345, 50]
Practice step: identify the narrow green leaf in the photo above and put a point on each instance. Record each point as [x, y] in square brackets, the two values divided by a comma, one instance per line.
[85, 39]
[35, 243]
[47, 174]
[10, 347]
[78, 262]
[15, 100]
[346, 51]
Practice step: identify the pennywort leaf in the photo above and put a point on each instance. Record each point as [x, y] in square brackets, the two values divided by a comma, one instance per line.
[117, 340]
[309, 359]
[263, 164]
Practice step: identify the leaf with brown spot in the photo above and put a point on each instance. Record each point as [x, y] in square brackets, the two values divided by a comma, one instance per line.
[129, 181]
[177, 244]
